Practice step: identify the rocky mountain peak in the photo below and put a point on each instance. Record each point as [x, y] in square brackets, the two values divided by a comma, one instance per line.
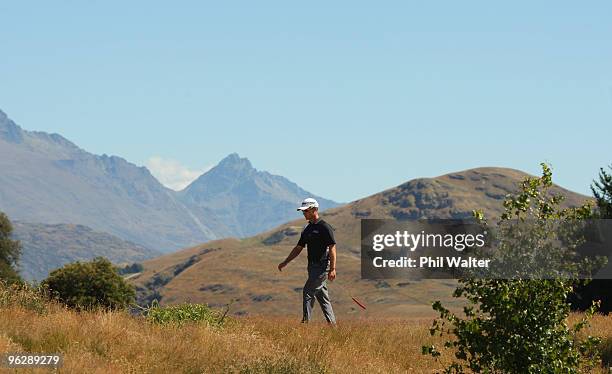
[9, 130]
[235, 162]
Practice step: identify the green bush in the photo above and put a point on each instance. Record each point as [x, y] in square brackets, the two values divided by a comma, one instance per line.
[87, 285]
[183, 313]
[519, 325]
[10, 251]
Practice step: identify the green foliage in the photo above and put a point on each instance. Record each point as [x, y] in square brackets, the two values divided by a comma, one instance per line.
[9, 251]
[183, 313]
[519, 325]
[602, 190]
[598, 289]
[90, 285]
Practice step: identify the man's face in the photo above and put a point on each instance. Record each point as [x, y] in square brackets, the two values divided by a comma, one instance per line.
[309, 213]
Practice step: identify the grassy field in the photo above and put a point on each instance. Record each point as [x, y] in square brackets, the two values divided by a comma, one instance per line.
[116, 342]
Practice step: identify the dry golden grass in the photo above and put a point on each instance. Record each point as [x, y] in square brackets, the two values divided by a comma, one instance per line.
[115, 342]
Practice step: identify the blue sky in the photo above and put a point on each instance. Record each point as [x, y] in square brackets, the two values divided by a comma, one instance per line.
[345, 99]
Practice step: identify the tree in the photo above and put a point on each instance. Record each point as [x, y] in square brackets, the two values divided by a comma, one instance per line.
[598, 289]
[9, 251]
[519, 325]
[602, 191]
[90, 285]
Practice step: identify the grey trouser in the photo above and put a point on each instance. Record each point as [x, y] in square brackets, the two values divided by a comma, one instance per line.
[316, 287]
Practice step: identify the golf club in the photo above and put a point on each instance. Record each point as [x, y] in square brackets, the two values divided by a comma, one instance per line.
[355, 300]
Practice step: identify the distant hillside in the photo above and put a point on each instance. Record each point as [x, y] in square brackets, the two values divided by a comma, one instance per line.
[245, 270]
[246, 200]
[46, 178]
[48, 247]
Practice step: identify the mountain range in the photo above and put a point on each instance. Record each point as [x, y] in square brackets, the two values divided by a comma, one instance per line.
[246, 200]
[234, 222]
[45, 178]
[243, 271]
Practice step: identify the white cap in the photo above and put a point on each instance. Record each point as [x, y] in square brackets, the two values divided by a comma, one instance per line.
[308, 203]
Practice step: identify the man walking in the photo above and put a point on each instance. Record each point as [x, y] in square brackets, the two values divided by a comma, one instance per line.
[318, 237]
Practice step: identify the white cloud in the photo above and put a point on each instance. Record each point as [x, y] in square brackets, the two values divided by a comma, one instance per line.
[171, 173]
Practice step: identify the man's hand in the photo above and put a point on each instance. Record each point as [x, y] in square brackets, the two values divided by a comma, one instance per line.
[281, 266]
[332, 275]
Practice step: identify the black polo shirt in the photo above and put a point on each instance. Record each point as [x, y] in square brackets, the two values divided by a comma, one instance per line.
[316, 237]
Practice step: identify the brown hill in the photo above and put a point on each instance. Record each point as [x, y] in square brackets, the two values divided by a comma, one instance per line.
[244, 271]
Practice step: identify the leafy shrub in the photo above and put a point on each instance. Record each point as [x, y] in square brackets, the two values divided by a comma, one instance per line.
[183, 313]
[86, 285]
[519, 325]
[10, 250]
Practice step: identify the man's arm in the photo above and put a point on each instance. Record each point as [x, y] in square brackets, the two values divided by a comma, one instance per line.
[294, 253]
[332, 263]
